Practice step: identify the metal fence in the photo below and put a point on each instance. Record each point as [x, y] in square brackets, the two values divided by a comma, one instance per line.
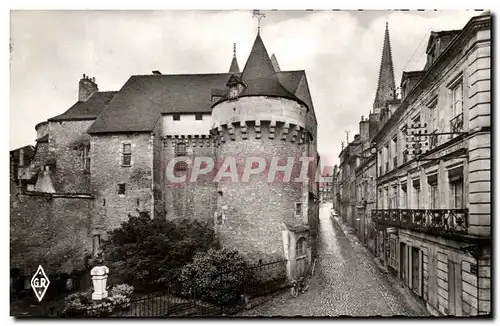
[215, 293]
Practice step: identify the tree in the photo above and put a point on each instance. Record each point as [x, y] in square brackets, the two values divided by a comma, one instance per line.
[145, 251]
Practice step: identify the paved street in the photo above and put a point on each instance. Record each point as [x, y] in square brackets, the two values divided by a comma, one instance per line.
[346, 282]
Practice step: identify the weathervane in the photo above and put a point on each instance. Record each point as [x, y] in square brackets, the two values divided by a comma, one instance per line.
[259, 15]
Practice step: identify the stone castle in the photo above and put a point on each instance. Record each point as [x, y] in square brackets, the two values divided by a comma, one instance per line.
[106, 157]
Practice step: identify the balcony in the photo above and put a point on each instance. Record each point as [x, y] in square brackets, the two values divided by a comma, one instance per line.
[457, 123]
[435, 221]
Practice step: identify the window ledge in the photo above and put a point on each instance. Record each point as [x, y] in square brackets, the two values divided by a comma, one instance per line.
[126, 165]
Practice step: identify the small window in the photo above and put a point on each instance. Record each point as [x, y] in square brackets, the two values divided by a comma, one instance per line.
[176, 117]
[198, 116]
[121, 189]
[298, 209]
[127, 154]
[104, 202]
[233, 92]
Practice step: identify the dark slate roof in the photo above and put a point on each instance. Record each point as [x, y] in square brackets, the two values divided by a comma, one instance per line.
[87, 110]
[260, 77]
[140, 102]
[29, 153]
[235, 68]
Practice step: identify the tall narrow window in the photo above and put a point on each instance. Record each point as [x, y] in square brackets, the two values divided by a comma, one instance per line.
[404, 197]
[180, 151]
[456, 98]
[395, 198]
[126, 154]
[395, 152]
[456, 124]
[86, 158]
[416, 197]
[457, 194]
[434, 196]
[298, 209]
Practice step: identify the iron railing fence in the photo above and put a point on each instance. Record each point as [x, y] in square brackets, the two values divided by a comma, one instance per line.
[436, 221]
[220, 293]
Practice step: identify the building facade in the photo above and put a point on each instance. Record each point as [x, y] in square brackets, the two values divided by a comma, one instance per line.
[114, 150]
[434, 185]
[428, 152]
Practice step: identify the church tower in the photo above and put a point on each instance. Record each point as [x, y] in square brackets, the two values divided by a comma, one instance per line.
[259, 124]
[386, 85]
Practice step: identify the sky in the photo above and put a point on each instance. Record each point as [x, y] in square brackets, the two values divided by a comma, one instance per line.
[339, 50]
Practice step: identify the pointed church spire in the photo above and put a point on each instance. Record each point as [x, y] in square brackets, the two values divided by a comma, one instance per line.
[260, 77]
[386, 84]
[235, 68]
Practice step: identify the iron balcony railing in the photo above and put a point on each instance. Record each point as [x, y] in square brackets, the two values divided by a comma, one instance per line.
[457, 123]
[436, 221]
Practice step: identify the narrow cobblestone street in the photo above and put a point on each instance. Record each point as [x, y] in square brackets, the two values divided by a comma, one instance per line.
[347, 281]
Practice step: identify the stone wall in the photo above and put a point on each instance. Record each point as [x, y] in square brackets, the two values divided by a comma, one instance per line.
[50, 230]
[108, 172]
[195, 198]
[66, 142]
[253, 211]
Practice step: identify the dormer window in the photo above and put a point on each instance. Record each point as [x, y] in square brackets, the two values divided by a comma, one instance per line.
[233, 91]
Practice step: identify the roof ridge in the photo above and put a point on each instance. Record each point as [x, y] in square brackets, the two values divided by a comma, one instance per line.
[194, 74]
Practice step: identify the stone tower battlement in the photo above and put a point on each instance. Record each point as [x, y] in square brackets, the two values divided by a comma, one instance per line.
[257, 129]
[190, 141]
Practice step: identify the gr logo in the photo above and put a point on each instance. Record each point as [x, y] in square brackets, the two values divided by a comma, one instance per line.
[40, 283]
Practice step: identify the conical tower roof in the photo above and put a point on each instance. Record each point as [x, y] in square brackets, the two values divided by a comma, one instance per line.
[386, 84]
[260, 77]
[235, 68]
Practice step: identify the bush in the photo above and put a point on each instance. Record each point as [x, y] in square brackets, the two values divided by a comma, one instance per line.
[145, 251]
[81, 304]
[218, 276]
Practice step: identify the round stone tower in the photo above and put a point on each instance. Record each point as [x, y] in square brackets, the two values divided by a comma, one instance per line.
[259, 128]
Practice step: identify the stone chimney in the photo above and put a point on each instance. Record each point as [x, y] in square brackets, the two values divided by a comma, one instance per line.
[87, 87]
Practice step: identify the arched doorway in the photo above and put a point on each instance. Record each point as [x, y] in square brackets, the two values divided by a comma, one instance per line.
[301, 257]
